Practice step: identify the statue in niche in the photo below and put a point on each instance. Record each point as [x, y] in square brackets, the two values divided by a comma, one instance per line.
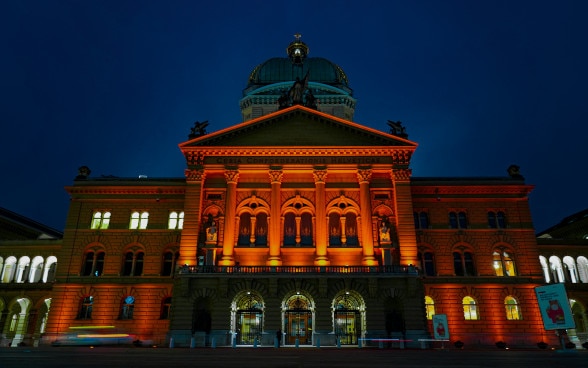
[211, 230]
[385, 231]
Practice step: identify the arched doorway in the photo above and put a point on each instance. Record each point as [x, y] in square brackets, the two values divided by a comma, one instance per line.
[298, 320]
[249, 319]
[347, 318]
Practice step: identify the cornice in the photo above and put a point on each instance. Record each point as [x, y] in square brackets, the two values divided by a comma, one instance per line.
[471, 189]
[126, 190]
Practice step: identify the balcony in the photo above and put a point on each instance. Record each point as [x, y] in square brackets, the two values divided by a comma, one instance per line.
[392, 270]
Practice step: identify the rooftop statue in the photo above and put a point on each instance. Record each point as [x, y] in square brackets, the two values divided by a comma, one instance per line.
[198, 130]
[397, 129]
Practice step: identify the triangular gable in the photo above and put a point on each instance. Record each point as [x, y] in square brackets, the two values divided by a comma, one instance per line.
[298, 126]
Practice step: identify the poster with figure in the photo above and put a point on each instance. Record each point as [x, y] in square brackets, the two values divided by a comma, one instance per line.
[440, 329]
[555, 307]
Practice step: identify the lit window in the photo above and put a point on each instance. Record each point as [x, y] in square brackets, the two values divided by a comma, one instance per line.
[512, 309]
[133, 263]
[139, 220]
[503, 263]
[128, 307]
[100, 220]
[429, 307]
[470, 311]
[176, 220]
[85, 311]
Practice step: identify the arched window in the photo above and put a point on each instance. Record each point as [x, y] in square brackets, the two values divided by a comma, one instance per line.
[127, 308]
[512, 309]
[545, 267]
[334, 229]
[496, 220]
[556, 269]
[100, 220]
[170, 259]
[470, 312]
[458, 220]
[351, 237]
[503, 263]
[429, 307]
[49, 271]
[36, 271]
[139, 220]
[85, 310]
[165, 307]
[94, 264]
[289, 229]
[427, 260]
[176, 220]
[463, 263]
[133, 264]
[22, 270]
[583, 269]
[570, 267]
[9, 270]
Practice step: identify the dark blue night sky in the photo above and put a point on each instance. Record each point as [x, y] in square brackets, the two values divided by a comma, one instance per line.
[117, 85]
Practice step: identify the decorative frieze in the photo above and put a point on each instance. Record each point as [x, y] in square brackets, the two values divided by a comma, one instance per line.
[194, 174]
[401, 174]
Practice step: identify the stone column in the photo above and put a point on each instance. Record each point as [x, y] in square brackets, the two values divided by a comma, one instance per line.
[364, 176]
[192, 208]
[275, 259]
[404, 216]
[322, 236]
[232, 177]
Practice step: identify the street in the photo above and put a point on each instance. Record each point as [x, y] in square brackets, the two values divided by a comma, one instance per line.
[248, 357]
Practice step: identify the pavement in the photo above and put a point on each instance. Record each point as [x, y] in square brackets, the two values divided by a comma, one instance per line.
[285, 357]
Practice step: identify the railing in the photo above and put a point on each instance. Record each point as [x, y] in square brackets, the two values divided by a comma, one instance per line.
[392, 269]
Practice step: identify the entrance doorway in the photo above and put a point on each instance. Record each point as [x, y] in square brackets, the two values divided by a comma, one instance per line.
[347, 318]
[249, 319]
[347, 323]
[298, 321]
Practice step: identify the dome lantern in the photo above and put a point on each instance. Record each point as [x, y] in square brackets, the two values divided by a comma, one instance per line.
[297, 50]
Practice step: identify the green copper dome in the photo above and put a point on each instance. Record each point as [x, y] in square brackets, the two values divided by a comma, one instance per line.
[314, 82]
[276, 70]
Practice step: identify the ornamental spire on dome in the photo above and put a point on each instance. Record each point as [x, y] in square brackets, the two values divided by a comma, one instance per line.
[297, 50]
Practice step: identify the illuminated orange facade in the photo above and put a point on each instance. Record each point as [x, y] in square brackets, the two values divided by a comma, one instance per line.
[301, 225]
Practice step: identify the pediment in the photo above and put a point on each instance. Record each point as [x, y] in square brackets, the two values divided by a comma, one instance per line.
[298, 126]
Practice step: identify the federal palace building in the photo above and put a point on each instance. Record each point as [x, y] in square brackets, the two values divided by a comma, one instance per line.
[296, 226]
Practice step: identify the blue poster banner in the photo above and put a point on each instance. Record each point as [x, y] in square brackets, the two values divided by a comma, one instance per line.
[555, 307]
